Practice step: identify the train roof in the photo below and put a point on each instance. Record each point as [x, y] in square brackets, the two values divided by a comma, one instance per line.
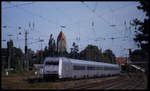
[77, 61]
[90, 62]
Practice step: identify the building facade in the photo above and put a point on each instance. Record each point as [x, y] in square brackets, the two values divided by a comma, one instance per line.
[61, 44]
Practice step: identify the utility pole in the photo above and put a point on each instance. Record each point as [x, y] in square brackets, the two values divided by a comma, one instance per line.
[10, 51]
[26, 53]
[9, 58]
[41, 43]
[4, 57]
[40, 40]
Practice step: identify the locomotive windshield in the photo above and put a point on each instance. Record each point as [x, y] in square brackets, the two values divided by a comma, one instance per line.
[51, 63]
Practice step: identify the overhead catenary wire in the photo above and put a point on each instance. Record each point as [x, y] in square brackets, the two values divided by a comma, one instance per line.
[39, 16]
[112, 26]
[94, 12]
[31, 13]
[50, 21]
[19, 5]
[99, 17]
[34, 15]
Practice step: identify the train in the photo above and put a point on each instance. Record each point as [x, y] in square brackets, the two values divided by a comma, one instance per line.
[63, 67]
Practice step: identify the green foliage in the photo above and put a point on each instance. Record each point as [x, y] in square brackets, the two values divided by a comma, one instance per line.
[142, 28]
[74, 51]
[45, 54]
[19, 66]
[16, 55]
[110, 56]
[93, 53]
[139, 55]
[141, 37]
[52, 50]
[30, 56]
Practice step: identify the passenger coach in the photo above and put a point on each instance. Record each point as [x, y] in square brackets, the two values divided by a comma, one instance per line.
[62, 67]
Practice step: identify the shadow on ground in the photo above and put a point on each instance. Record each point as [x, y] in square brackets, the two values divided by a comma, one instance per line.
[40, 79]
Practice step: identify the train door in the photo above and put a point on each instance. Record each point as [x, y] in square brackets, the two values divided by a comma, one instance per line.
[66, 68]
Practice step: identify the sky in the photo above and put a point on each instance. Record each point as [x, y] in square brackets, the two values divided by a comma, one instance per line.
[85, 23]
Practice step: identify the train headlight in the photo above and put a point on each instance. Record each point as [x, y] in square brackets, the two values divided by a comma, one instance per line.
[122, 64]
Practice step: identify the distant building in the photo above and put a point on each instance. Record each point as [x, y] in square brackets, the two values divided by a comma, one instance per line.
[61, 43]
[121, 60]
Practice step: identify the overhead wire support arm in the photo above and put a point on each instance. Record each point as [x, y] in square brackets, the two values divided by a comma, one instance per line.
[107, 23]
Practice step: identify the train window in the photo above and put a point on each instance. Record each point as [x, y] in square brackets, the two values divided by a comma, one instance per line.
[98, 68]
[51, 63]
[110, 68]
[78, 67]
[107, 68]
[90, 68]
[114, 68]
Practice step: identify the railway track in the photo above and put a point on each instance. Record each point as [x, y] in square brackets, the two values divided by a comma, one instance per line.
[122, 82]
[94, 84]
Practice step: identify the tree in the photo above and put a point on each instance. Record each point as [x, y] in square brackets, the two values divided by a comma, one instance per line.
[45, 54]
[142, 34]
[30, 56]
[19, 65]
[10, 52]
[142, 28]
[110, 56]
[52, 47]
[15, 56]
[74, 51]
[138, 56]
[91, 52]
[18, 59]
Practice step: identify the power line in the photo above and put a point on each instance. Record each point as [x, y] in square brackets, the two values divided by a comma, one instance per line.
[112, 38]
[92, 11]
[5, 26]
[27, 11]
[17, 5]
[116, 9]
[38, 15]
[106, 22]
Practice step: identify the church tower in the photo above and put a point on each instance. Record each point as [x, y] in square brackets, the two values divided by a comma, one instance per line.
[61, 44]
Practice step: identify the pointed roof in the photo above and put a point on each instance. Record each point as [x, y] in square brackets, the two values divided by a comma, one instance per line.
[61, 35]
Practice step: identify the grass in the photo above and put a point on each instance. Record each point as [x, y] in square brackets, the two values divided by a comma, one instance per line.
[21, 81]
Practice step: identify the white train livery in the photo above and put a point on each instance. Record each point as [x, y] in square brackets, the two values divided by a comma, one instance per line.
[62, 67]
